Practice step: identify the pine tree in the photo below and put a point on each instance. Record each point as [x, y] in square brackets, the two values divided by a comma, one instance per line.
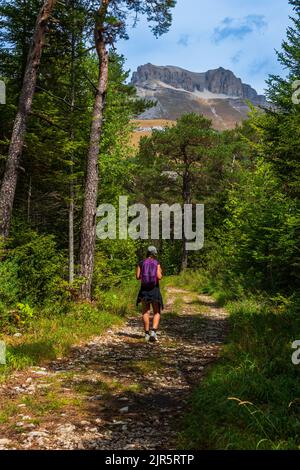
[280, 89]
[183, 164]
[278, 128]
[110, 25]
[9, 182]
[51, 183]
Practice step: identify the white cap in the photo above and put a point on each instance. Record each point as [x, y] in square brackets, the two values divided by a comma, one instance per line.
[152, 250]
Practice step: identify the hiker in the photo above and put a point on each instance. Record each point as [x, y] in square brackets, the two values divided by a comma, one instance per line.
[149, 273]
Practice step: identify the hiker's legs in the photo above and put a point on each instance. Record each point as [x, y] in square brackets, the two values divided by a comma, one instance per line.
[156, 315]
[146, 315]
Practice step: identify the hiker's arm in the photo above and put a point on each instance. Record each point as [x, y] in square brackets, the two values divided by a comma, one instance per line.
[159, 273]
[138, 273]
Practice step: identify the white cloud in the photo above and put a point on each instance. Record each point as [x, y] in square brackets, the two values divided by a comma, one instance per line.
[238, 28]
[195, 22]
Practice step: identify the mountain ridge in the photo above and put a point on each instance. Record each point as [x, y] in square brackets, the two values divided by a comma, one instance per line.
[217, 94]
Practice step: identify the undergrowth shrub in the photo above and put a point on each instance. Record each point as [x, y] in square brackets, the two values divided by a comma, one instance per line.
[40, 268]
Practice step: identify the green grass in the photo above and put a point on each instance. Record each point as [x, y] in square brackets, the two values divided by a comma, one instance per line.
[43, 404]
[7, 410]
[37, 406]
[146, 366]
[176, 307]
[188, 279]
[49, 338]
[201, 282]
[51, 334]
[250, 398]
[106, 388]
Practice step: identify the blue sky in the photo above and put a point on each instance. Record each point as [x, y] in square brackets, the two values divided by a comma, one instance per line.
[240, 35]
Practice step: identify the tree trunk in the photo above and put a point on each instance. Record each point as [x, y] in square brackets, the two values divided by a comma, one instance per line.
[186, 193]
[71, 187]
[29, 200]
[9, 183]
[88, 231]
[71, 234]
[184, 258]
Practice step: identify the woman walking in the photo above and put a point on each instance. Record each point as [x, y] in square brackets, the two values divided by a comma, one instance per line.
[149, 273]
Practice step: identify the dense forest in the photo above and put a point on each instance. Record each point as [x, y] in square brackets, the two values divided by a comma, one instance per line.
[66, 147]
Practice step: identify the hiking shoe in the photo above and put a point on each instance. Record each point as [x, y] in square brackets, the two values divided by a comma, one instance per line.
[153, 337]
[147, 337]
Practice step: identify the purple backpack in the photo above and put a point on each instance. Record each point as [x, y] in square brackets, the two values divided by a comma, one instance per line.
[149, 272]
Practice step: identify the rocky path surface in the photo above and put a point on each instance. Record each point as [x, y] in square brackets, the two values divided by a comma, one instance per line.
[116, 392]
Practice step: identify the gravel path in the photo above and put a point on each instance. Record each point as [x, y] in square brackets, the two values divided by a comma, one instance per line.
[117, 392]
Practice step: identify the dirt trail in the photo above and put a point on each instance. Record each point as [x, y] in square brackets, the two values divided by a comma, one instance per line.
[116, 392]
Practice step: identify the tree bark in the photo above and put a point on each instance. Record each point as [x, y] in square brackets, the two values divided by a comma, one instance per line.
[29, 200]
[186, 195]
[88, 231]
[71, 234]
[71, 187]
[184, 258]
[9, 183]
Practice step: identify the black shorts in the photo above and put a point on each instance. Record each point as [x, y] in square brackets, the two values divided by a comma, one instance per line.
[150, 296]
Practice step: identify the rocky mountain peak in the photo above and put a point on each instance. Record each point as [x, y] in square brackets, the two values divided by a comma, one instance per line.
[218, 81]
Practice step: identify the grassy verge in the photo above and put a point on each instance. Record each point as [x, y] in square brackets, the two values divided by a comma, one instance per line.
[51, 333]
[251, 398]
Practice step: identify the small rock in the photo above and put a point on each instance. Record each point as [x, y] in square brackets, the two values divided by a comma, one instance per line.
[64, 429]
[33, 434]
[4, 441]
[92, 429]
[44, 385]
[29, 425]
[124, 409]
[95, 397]
[17, 335]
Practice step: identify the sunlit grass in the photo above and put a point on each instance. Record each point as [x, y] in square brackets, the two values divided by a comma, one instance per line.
[147, 365]
[244, 401]
[52, 333]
